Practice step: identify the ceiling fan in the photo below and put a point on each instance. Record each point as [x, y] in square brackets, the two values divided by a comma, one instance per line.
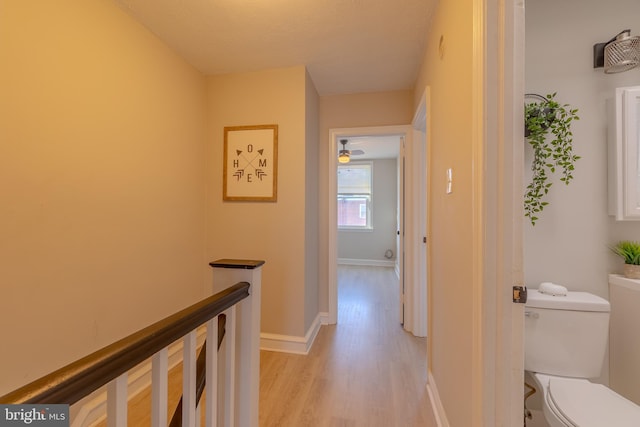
[344, 156]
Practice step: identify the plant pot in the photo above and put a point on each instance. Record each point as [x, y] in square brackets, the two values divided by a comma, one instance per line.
[549, 116]
[631, 271]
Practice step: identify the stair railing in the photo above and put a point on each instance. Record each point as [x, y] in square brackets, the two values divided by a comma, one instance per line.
[237, 405]
[201, 373]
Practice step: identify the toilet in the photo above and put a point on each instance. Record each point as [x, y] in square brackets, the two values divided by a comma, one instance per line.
[566, 336]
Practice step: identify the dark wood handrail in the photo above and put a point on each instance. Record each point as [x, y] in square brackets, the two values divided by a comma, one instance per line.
[71, 383]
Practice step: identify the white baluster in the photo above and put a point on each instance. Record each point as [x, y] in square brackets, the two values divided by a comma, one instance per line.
[189, 380]
[159, 386]
[211, 381]
[230, 368]
[117, 402]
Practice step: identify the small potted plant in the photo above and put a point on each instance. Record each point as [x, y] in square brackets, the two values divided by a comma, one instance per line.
[630, 252]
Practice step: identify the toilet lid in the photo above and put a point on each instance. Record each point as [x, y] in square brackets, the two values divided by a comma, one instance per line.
[587, 404]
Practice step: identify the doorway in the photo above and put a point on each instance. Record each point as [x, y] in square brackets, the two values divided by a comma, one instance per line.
[406, 216]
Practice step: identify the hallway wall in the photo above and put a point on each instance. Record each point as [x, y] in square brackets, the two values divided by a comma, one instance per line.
[447, 69]
[101, 182]
[276, 232]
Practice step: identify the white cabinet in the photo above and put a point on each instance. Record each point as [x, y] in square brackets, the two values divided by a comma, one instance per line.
[624, 154]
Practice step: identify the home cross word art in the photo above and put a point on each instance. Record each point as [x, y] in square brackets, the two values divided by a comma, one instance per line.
[250, 163]
[245, 160]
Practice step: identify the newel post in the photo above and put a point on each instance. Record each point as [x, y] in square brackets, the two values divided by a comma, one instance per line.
[228, 272]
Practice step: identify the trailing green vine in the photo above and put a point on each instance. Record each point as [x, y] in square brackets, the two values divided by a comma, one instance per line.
[548, 131]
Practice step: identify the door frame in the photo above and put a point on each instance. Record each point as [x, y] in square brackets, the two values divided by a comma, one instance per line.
[405, 131]
[498, 103]
[419, 323]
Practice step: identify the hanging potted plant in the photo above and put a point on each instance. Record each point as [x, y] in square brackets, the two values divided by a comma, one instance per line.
[548, 131]
[630, 252]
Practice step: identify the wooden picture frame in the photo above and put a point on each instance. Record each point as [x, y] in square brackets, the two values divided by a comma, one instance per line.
[250, 169]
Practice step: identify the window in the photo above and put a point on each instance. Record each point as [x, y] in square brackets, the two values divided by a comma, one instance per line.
[354, 196]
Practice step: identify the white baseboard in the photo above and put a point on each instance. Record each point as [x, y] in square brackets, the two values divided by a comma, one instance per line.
[368, 262]
[95, 410]
[324, 318]
[436, 403]
[292, 344]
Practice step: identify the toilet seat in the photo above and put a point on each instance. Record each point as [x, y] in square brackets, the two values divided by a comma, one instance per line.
[580, 403]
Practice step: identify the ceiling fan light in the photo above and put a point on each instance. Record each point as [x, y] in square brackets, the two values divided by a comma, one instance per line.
[344, 156]
[343, 159]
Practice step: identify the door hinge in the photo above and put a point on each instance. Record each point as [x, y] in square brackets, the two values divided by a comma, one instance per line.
[519, 294]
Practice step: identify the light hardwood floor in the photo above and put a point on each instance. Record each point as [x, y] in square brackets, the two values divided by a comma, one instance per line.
[364, 371]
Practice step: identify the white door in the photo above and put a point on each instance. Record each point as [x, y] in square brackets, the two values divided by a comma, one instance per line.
[500, 75]
[416, 208]
[400, 232]
[421, 262]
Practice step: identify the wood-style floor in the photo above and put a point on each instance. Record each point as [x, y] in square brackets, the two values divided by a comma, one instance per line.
[364, 371]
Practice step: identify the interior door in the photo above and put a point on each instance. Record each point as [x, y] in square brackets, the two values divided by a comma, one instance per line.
[400, 233]
[418, 195]
[421, 264]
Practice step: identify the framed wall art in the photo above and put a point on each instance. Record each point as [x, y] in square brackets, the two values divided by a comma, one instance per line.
[250, 170]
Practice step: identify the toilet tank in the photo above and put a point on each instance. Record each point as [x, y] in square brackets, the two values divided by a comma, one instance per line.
[566, 335]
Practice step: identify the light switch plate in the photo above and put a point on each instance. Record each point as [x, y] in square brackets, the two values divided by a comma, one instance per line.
[449, 181]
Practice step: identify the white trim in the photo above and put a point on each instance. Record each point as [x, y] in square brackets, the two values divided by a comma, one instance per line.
[289, 343]
[498, 342]
[324, 318]
[419, 121]
[139, 379]
[436, 404]
[356, 229]
[416, 320]
[332, 250]
[367, 262]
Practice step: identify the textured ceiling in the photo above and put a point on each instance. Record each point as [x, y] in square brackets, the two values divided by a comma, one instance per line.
[348, 46]
[374, 147]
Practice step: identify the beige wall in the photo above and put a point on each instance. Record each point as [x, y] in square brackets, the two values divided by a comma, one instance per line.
[101, 182]
[274, 232]
[448, 73]
[103, 152]
[347, 111]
